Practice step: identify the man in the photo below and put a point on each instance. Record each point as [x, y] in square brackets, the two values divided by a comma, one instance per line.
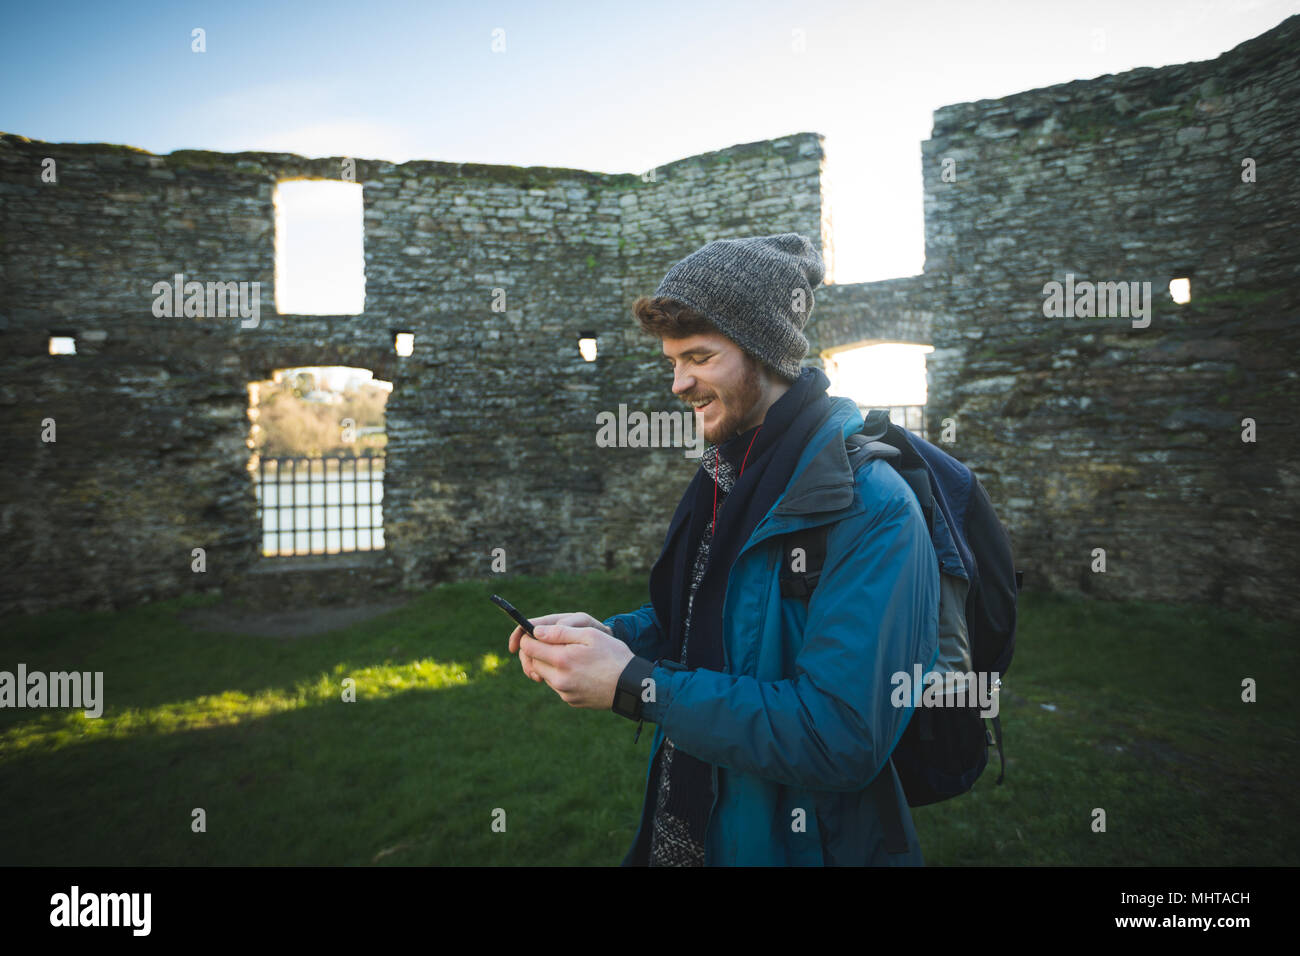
[774, 719]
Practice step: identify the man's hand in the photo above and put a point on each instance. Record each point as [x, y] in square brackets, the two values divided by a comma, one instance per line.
[581, 664]
[571, 618]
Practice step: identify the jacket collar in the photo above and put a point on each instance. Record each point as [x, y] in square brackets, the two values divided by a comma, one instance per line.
[823, 482]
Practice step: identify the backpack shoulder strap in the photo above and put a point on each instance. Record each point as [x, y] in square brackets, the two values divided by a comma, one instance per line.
[805, 550]
[875, 424]
[801, 564]
[862, 449]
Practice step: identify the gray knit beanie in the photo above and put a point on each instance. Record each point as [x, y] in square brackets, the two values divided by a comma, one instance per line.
[758, 292]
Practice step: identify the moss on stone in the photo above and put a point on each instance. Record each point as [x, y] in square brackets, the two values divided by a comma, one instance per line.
[1090, 125]
[542, 177]
[202, 159]
[97, 149]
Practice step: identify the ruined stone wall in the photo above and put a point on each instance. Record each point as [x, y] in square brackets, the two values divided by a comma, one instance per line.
[1088, 432]
[492, 419]
[1091, 433]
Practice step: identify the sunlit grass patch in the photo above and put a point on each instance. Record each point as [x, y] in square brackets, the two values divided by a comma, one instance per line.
[52, 729]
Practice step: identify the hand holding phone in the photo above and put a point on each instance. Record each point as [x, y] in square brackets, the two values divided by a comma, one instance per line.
[517, 642]
[569, 619]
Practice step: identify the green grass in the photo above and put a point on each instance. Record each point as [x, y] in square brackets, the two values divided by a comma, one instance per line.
[1149, 726]
[445, 730]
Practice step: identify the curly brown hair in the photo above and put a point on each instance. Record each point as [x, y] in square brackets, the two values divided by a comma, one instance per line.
[667, 318]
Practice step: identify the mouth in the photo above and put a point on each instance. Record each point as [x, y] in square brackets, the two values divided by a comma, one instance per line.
[700, 404]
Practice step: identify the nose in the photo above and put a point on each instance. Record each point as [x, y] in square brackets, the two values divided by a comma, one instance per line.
[682, 382]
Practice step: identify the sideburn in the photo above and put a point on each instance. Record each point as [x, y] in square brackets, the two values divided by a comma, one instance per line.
[745, 397]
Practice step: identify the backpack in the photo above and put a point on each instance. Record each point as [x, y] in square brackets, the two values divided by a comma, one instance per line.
[944, 749]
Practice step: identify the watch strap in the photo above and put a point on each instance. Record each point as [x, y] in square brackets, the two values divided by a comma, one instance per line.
[627, 696]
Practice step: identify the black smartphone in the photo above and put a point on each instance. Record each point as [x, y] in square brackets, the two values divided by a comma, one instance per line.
[509, 608]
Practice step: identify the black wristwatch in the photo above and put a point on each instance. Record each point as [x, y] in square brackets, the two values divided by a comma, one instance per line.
[627, 696]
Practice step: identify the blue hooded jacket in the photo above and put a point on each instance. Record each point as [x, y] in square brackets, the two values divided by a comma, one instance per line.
[801, 723]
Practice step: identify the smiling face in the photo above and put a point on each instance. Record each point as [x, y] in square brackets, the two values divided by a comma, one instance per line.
[727, 388]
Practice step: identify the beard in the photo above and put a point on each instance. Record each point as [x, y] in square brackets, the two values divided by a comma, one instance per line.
[736, 404]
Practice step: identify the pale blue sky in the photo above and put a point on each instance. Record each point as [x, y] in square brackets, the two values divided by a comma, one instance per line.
[604, 86]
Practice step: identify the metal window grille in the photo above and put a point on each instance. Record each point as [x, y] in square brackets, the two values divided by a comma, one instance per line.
[320, 505]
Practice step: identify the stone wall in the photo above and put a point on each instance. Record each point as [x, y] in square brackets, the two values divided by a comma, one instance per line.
[491, 422]
[1090, 433]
